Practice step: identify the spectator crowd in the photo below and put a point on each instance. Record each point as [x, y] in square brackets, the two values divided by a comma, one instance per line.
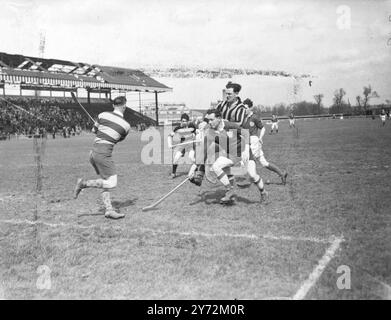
[30, 117]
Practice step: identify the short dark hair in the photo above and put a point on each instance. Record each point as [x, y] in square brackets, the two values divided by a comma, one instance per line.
[248, 102]
[119, 101]
[235, 86]
[185, 116]
[215, 111]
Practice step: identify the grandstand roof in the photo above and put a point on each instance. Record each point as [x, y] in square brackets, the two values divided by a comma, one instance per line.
[24, 69]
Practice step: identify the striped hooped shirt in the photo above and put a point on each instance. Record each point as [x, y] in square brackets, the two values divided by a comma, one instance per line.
[233, 113]
[112, 128]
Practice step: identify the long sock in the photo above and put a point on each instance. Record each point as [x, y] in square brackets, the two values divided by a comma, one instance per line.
[106, 200]
[98, 183]
[174, 167]
[259, 184]
[231, 179]
[273, 167]
[224, 180]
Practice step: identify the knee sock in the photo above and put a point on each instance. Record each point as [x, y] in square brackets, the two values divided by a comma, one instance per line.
[259, 184]
[106, 200]
[174, 167]
[98, 183]
[224, 180]
[231, 179]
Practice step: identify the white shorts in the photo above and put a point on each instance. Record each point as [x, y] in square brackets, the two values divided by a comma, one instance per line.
[274, 125]
[256, 150]
[291, 121]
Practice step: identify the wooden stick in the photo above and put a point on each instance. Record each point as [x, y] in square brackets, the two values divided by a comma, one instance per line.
[166, 196]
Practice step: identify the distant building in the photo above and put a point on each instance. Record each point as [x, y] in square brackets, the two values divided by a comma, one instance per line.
[168, 112]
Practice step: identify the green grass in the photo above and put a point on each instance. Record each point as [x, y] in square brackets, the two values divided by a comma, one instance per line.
[338, 185]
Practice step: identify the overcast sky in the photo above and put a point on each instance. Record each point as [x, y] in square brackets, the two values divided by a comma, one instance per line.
[315, 37]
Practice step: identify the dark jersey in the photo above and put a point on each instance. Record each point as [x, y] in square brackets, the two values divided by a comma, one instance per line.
[291, 116]
[185, 133]
[228, 140]
[253, 124]
[275, 119]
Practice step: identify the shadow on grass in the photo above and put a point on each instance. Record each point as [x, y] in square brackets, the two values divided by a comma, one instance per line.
[117, 205]
[213, 197]
[180, 174]
[123, 204]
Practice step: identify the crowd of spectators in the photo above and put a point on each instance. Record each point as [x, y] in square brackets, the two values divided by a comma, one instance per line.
[29, 117]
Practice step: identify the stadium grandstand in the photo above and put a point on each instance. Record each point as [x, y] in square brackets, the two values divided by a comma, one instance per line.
[43, 88]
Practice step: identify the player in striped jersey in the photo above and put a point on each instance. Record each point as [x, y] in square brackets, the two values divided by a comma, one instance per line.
[110, 129]
[232, 109]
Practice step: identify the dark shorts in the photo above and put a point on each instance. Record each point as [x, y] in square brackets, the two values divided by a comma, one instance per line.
[102, 161]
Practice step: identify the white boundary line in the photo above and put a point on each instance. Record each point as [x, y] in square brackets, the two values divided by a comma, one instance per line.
[301, 293]
[182, 233]
[318, 270]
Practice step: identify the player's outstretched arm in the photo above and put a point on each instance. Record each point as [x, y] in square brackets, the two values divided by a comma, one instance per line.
[95, 127]
[169, 141]
[261, 134]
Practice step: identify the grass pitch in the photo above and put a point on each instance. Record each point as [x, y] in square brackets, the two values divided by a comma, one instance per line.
[191, 247]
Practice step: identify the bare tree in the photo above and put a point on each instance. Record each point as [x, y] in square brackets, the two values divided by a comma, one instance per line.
[338, 97]
[368, 94]
[359, 101]
[318, 99]
[318, 108]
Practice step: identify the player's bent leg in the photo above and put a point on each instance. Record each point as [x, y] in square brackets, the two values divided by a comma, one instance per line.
[283, 174]
[262, 160]
[177, 155]
[221, 167]
[256, 179]
[192, 156]
[92, 161]
[108, 183]
[109, 210]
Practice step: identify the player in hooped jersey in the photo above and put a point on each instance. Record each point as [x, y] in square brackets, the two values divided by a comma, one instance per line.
[110, 128]
[186, 132]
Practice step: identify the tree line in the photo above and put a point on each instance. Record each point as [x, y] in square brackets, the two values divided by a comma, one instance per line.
[339, 106]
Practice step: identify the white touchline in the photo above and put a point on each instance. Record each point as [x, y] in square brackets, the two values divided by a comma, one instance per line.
[183, 233]
[318, 270]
